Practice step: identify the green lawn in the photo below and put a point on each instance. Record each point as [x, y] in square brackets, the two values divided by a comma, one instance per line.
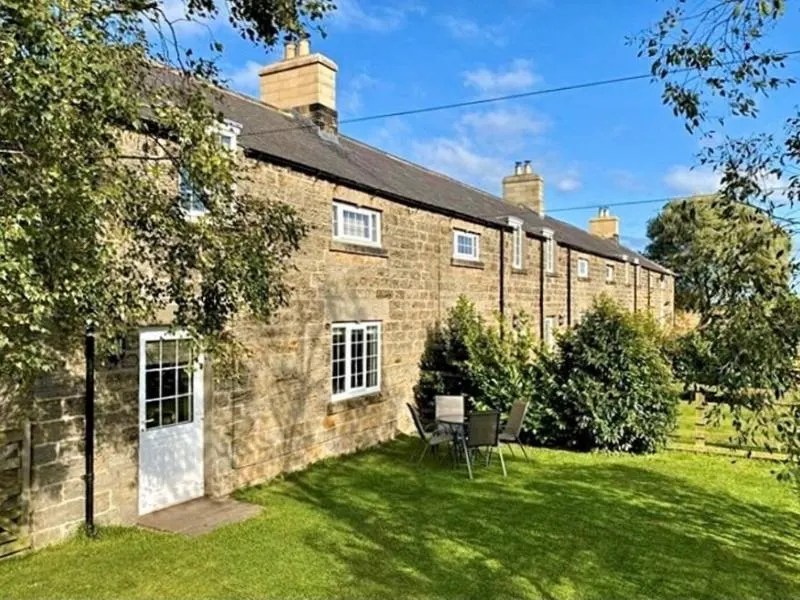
[374, 525]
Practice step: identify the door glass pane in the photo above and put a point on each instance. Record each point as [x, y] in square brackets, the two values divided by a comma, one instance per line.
[184, 352]
[184, 380]
[152, 384]
[372, 356]
[168, 383]
[184, 409]
[169, 411]
[152, 353]
[152, 414]
[169, 349]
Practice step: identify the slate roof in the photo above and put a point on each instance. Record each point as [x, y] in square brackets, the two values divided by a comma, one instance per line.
[296, 142]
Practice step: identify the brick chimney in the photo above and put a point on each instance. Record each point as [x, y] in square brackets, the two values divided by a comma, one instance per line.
[605, 225]
[303, 82]
[525, 188]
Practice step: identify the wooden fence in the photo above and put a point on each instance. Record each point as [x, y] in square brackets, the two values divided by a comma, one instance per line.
[15, 469]
[702, 437]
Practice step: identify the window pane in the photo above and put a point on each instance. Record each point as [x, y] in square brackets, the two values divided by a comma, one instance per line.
[184, 409]
[372, 356]
[374, 232]
[355, 224]
[152, 414]
[152, 384]
[357, 358]
[169, 351]
[184, 381]
[152, 354]
[338, 361]
[184, 352]
[169, 412]
[168, 383]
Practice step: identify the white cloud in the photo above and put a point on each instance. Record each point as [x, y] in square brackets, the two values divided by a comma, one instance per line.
[245, 78]
[462, 28]
[458, 159]
[517, 77]
[569, 181]
[351, 96]
[686, 180]
[505, 123]
[350, 14]
[174, 11]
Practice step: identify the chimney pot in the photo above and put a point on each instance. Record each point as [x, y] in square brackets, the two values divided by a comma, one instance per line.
[289, 51]
[304, 47]
[528, 170]
[518, 168]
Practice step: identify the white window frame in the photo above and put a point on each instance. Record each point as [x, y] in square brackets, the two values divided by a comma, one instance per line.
[583, 273]
[610, 273]
[549, 252]
[549, 337]
[517, 243]
[227, 128]
[476, 244]
[351, 392]
[375, 224]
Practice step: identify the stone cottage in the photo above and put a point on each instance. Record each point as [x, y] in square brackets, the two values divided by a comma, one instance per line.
[392, 246]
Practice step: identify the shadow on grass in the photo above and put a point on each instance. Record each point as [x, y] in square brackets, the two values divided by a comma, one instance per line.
[592, 528]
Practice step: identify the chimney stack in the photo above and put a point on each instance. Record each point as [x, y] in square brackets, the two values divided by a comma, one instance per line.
[604, 225]
[302, 82]
[525, 188]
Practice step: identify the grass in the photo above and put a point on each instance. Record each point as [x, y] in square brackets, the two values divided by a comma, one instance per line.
[565, 525]
[719, 429]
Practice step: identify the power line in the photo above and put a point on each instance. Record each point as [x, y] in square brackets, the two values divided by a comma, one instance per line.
[468, 103]
[656, 201]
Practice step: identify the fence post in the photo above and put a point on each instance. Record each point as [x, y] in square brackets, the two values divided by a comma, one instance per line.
[699, 402]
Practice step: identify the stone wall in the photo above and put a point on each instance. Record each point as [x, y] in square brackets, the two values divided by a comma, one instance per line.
[276, 414]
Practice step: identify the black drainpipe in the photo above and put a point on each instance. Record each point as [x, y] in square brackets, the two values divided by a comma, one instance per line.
[541, 292]
[502, 274]
[569, 286]
[89, 431]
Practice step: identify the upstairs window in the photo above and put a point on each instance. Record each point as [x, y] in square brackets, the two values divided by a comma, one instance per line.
[549, 256]
[356, 225]
[355, 359]
[466, 245]
[193, 199]
[517, 243]
[609, 273]
[583, 268]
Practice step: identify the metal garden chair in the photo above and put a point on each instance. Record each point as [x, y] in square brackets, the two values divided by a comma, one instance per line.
[513, 426]
[429, 439]
[483, 431]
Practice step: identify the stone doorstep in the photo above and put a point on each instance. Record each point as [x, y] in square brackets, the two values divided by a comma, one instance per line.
[199, 516]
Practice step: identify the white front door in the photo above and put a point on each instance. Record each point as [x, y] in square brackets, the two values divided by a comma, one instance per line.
[170, 421]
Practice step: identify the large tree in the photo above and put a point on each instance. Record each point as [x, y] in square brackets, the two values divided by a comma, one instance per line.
[101, 107]
[716, 249]
[716, 65]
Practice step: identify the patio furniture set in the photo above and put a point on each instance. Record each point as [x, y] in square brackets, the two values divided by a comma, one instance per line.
[470, 433]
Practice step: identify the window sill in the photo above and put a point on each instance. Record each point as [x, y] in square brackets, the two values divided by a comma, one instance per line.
[467, 264]
[611, 283]
[350, 248]
[515, 271]
[583, 278]
[552, 275]
[345, 404]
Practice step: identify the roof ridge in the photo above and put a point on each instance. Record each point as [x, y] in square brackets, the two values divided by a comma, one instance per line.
[423, 168]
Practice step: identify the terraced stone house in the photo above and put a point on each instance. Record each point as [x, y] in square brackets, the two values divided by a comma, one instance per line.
[392, 246]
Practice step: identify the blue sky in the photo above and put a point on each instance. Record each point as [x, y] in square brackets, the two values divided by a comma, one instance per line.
[593, 147]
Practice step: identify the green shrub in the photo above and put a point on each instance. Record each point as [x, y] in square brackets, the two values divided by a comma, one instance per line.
[443, 366]
[503, 367]
[609, 386]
